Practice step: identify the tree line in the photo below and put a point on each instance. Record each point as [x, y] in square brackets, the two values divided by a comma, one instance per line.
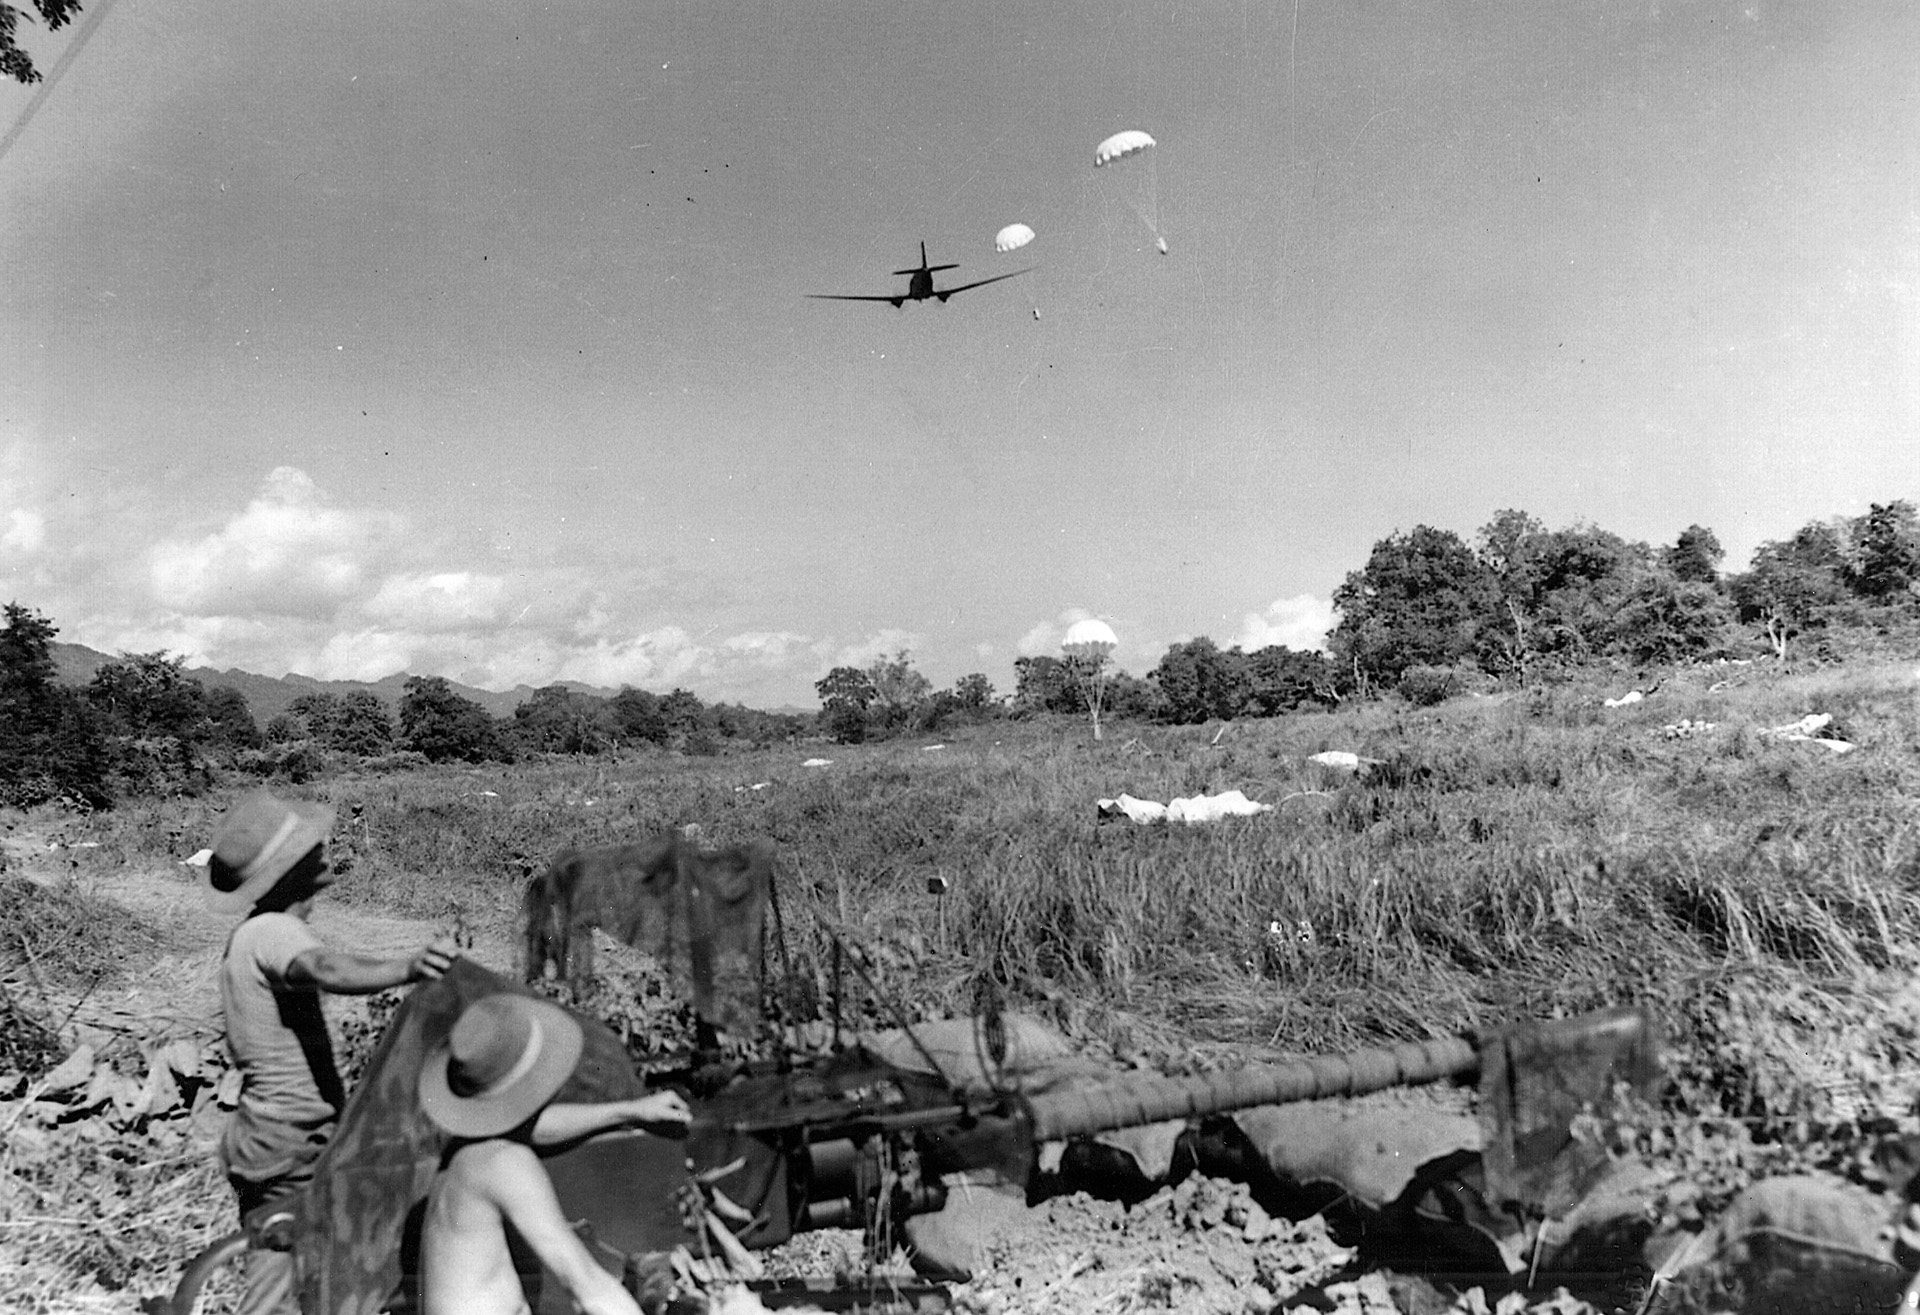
[1431, 614]
[1428, 614]
[144, 726]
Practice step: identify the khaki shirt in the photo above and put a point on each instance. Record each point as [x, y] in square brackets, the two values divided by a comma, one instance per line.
[276, 1031]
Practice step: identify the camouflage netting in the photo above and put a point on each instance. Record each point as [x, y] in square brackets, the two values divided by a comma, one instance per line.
[355, 1236]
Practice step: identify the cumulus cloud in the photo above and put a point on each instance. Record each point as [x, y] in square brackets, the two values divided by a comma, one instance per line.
[1301, 622]
[440, 600]
[26, 531]
[295, 580]
[881, 644]
[1045, 637]
[287, 552]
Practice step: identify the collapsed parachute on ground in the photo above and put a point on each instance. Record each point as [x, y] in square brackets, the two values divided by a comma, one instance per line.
[1135, 176]
[1012, 238]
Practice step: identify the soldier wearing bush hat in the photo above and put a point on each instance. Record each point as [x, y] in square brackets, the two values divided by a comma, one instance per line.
[269, 861]
[489, 1084]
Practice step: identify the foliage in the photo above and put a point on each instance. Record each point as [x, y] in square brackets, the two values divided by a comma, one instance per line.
[1281, 680]
[1424, 686]
[149, 695]
[1423, 597]
[845, 695]
[231, 723]
[51, 745]
[899, 691]
[443, 725]
[1198, 682]
[559, 720]
[1664, 618]
[1793, 585]
[973, 692]
[1045, 684]
[15, 63]
[1884, 553]
[637, 717]
[1694, 558]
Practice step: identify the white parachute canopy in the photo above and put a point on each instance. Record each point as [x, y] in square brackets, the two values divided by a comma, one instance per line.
[1121, 145]
[1012, 238]
[1089, 643]
[1136, 178]
[1089, 638]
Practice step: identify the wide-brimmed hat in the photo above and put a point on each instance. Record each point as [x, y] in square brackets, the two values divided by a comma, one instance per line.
[506, 1057]
[259, 843]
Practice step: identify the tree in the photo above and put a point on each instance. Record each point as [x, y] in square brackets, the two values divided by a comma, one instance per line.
[683, 712]
[15, 63]
[1883, 552]
[559, 720]
[1792, 585]
[1585, 574]
[363, 726]
[1422, 598]
[1199, 682]
[1280, 679]
[316, 714]
[1510, 547]
[845, 695]
[442, 725]
[150, 696]
[636, 716]
[973, 692]
[51, 745]
[898, 689]
[1664, 618]
[1694, 558]
[231, 719]
[1045, 684]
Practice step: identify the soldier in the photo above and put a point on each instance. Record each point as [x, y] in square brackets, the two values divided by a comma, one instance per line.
[269, 861]
[489, 1084]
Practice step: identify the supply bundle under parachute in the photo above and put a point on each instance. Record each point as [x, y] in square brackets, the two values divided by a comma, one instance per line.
[1136, 178]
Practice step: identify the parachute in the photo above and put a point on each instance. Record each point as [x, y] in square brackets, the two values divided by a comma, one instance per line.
[1136, 176]
[1088, 644]
[1012, 238]
[1089, 638]
[1120, 146]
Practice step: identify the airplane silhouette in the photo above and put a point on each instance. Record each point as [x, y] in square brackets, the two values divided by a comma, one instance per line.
[920, 286]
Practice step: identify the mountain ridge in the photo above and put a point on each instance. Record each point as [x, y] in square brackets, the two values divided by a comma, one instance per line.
[269, 696]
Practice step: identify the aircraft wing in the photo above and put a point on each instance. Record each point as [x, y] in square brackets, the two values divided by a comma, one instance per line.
[851, 296]
[944, 293]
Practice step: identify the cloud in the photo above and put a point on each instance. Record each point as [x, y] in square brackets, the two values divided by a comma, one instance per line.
[1045, 637]
[1300, 623]
[441, 600]
[295, 581]
[287, 553]
[26, 531]
[884, 643]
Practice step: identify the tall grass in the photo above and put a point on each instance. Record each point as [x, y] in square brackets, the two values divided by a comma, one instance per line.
[1527, 854]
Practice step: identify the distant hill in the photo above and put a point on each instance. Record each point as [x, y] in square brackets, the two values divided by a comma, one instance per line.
[269, 696]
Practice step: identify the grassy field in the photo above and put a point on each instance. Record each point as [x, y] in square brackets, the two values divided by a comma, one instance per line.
[1533, 853]
[1528, 854]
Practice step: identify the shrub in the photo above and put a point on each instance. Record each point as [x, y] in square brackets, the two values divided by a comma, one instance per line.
[1423, 685]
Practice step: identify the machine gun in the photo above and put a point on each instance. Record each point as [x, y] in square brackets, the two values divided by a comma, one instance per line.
[850, 1139]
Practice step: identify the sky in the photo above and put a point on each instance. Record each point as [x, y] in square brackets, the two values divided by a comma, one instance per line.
[472, 339]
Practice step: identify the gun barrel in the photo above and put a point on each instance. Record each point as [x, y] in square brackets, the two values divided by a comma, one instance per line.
[1140, 1100]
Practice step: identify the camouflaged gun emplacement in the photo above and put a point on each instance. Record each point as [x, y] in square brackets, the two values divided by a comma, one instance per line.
[848, 1139]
